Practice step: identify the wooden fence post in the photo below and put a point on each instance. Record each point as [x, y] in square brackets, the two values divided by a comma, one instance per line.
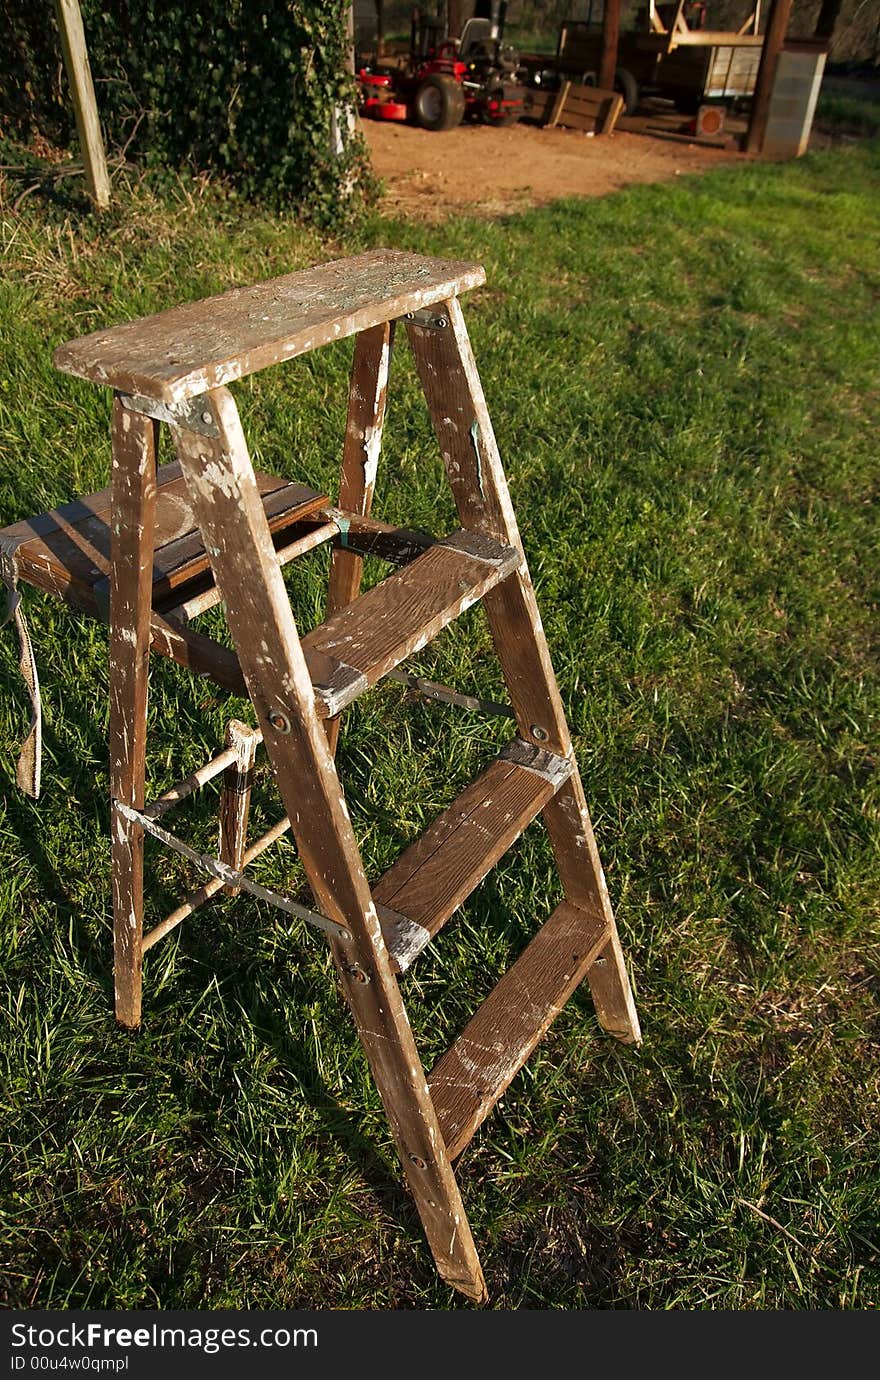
[777, 26]
[88, 128]
[610, 42]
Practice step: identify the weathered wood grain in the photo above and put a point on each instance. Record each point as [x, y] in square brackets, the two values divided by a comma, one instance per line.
[567, 820]
[367, 395]
[356, 646]
[191, 349]
[184, 558]
[474, 1073]
[437, 873]
[231, 518]
[575, 106]
[85, 107]
[215, 520]
[67, 551]
[588, 108]
[457, 404]
[134, 501]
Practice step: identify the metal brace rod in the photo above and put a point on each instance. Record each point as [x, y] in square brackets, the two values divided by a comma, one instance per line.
[190, 904]
[215, 868]
[431, 690]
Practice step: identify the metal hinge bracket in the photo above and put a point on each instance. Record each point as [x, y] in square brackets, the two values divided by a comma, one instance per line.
[429, 318]
[196, 414]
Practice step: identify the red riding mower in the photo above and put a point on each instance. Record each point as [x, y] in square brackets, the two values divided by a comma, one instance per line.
[445, 79]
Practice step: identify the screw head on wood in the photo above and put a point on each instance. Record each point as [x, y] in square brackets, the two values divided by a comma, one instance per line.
[539, 734]
[279, 721]
[207, 418]
[418, 1161]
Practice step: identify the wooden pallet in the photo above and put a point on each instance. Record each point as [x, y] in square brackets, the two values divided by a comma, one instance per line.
[574, 106]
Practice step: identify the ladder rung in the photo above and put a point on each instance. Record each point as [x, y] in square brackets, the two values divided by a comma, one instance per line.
[394, 619]
[474, 1073]
[439, 871]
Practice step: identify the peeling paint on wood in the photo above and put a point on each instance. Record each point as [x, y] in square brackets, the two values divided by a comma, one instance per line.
[367, 397]
[133, 496]
[195, 348]
[365, 639]
[235, 798]
[432, 878]
[452, 386]
[474, 1073]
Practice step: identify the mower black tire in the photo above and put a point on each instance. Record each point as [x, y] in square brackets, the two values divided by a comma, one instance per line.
[626, 84]
[502, 117]
[438, 102]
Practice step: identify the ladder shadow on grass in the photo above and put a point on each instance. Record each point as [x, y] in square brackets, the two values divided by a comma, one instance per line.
[229, 952]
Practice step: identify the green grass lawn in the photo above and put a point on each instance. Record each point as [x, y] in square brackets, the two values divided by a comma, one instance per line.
[684, 381]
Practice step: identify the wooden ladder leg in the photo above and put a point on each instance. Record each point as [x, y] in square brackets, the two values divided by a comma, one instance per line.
[360, 460]
[583, 880]
[228, 509]
[235, 797]
[133, 488]
[461, 420]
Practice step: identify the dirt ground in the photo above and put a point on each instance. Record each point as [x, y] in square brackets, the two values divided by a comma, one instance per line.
[476, 168]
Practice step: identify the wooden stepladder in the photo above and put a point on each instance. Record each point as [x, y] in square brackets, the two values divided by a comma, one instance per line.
[235, 531]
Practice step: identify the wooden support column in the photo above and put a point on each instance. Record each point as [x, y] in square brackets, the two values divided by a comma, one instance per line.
[455, 13]
[777, 27]
[610, 43]
[131, 585]
[85, 107]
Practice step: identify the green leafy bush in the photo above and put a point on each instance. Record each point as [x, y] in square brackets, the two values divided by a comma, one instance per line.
[244, 88]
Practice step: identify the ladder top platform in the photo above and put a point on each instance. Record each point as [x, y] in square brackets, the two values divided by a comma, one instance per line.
[181, 353]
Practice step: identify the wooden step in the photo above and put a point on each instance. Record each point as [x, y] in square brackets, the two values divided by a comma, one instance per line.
[474, 1073]
[193, 348]
[437, 873]
[67, 551]
[394, 619]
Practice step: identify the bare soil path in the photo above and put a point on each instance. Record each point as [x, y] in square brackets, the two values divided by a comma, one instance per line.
[475, 168]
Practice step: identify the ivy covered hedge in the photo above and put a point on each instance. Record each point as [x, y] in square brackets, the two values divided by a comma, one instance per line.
[246, 88]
